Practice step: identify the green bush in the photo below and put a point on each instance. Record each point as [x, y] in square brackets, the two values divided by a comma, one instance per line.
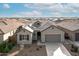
[6, 47]
[11, 45]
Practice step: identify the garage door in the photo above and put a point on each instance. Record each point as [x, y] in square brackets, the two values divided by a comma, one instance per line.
[53, 38]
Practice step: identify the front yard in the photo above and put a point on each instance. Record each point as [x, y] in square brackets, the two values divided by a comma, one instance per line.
[10, 48]
[29, 50]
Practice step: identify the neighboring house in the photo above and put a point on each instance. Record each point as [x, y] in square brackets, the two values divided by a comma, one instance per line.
[39, 30]
[44, 31]
[8, 28]
[71, 29]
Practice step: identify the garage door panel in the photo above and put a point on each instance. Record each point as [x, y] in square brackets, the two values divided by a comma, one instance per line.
[53, 38]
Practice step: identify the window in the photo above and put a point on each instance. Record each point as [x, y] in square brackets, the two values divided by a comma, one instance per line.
[20, 37]
[27, 37]
[24, 37]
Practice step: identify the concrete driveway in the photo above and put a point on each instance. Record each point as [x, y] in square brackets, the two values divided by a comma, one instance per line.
[56, 49]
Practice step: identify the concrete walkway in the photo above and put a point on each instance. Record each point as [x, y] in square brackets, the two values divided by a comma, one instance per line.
[56, 49]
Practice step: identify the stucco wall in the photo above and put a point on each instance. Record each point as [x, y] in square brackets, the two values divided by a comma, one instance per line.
[70, 33]
[6, 36]
[52, 31]
[24, 41]
[72, 36]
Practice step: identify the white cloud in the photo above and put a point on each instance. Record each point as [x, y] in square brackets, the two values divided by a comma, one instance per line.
[56, 14]
[55, 7]
[39, 6]
[32, 13]
[6, 6]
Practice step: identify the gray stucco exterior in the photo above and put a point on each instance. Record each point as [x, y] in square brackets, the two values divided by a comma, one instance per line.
[24, 32]
[71, 34]
[48, 31]
[52, 31]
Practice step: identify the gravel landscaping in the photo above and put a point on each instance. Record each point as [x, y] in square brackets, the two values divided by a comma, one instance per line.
[29, 50]
[68, 47]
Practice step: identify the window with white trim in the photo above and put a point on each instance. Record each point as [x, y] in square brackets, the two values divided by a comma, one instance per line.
[24, 37]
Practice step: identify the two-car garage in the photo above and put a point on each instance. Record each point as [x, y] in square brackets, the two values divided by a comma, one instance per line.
[53, 38]
[52, 35]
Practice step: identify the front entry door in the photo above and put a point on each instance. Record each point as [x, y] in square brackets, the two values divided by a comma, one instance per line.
[36, 37]
[39, 36]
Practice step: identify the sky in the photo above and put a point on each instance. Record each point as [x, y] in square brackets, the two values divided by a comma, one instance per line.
[39, 9]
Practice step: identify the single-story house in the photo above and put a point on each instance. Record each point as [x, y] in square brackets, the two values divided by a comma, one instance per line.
[71, 29]
[44, 31]
[8, 28]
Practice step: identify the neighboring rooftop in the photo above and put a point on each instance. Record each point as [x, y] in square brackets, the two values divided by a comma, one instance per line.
[2, 23]
[9, 25]
[71, 25]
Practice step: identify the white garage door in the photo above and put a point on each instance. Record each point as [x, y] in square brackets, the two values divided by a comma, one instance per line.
[53, 38]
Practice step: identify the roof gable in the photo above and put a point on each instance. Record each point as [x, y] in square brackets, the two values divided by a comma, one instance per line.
[27, 28]
[47, 28]
[37, 24]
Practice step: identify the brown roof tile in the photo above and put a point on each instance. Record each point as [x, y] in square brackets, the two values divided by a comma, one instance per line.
[11, 25]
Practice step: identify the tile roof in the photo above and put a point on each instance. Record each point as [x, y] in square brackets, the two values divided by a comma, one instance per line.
[11, 25]
[71, 25]
[44, 25]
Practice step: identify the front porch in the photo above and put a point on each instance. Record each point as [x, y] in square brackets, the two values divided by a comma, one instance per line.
[36, 37]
